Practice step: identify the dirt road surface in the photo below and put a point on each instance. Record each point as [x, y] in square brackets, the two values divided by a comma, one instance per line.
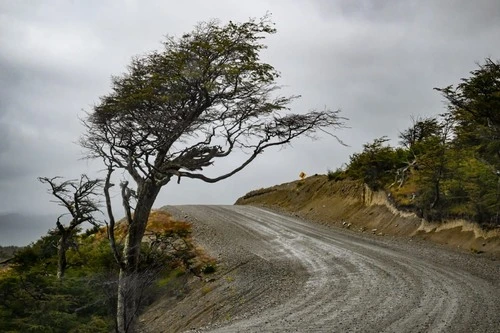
[284, 274]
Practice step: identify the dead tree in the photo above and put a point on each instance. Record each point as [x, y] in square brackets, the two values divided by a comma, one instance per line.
[79, 198]
[176, 112]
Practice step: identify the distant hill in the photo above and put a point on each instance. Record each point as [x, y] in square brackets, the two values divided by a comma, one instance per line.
[7, 252]
[19, 229]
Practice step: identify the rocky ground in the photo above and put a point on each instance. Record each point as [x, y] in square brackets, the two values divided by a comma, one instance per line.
[282, 274]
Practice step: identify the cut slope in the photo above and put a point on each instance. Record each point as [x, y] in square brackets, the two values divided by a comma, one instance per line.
[351, 204]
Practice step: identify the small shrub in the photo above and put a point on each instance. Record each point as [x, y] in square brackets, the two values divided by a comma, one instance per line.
[209, 268]
[206, 289]
[337, 175]
[170, 276]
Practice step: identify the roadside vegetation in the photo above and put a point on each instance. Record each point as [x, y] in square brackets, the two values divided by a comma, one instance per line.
[34, 299]
[447, 166]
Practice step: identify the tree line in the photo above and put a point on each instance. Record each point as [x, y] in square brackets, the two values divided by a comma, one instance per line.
[446, 166]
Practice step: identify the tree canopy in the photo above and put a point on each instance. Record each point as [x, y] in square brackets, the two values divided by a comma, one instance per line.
[176, 111]
[475, 105]
[206, 94]
[446, 166]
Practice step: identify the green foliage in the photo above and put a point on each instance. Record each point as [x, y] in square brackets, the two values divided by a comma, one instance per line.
[337, 175]
[475, 105]
[472, 191]
[376, 163]
[33, 302]
[32, 299]
[415, 137]
[7, 252]
[446, 167]
[43, 251]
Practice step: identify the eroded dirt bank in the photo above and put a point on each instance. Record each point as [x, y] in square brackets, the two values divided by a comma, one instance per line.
[283, 274]
[350, 204]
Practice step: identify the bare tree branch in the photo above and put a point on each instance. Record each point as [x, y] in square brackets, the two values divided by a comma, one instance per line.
[79, 198]
[112, 223]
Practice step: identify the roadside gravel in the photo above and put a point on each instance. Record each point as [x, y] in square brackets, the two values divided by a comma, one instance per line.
[282, 274]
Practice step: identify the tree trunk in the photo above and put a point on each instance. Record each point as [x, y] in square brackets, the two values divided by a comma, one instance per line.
[437, 194]
[61, 255]
[127, 302]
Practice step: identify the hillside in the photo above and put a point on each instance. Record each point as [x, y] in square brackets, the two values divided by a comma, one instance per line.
[35, 300]
[351, 204]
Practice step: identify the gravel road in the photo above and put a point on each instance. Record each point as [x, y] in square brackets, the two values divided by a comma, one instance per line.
[290, 275]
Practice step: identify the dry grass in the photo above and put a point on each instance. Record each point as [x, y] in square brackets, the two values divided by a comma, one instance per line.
[402, 196]
[161, 222]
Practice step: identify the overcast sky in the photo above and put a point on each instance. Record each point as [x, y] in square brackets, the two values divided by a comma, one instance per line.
[375, 60]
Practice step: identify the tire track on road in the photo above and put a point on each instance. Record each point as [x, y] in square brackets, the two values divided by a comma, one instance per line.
[354, 283]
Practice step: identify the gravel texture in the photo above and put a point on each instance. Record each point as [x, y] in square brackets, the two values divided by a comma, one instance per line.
[281, 274]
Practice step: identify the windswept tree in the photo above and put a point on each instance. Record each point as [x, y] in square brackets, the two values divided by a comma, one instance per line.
[177, 111]
[422, 128]
[80, 199]
[415, 140]
[376, 164]
[433, 169]
[474, 104]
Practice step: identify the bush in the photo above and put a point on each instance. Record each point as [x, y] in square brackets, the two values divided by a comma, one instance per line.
[33, 300]
[209, 268]
[337, 175]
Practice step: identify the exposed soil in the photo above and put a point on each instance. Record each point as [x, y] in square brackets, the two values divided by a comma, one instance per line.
[350, 204]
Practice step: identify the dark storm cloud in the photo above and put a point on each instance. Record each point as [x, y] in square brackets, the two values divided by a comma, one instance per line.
[376, 60]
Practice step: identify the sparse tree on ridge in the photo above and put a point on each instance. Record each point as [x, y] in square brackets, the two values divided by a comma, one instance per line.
[474, 105]
[177, 111]
[415, 139]
[422, 128]
[79, 198]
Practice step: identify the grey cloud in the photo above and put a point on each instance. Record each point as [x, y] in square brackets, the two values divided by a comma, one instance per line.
[5, 137]
[452, 16]
[376, 60]
[20, 230]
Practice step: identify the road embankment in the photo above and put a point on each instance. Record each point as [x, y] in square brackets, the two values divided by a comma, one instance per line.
[351, 204]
